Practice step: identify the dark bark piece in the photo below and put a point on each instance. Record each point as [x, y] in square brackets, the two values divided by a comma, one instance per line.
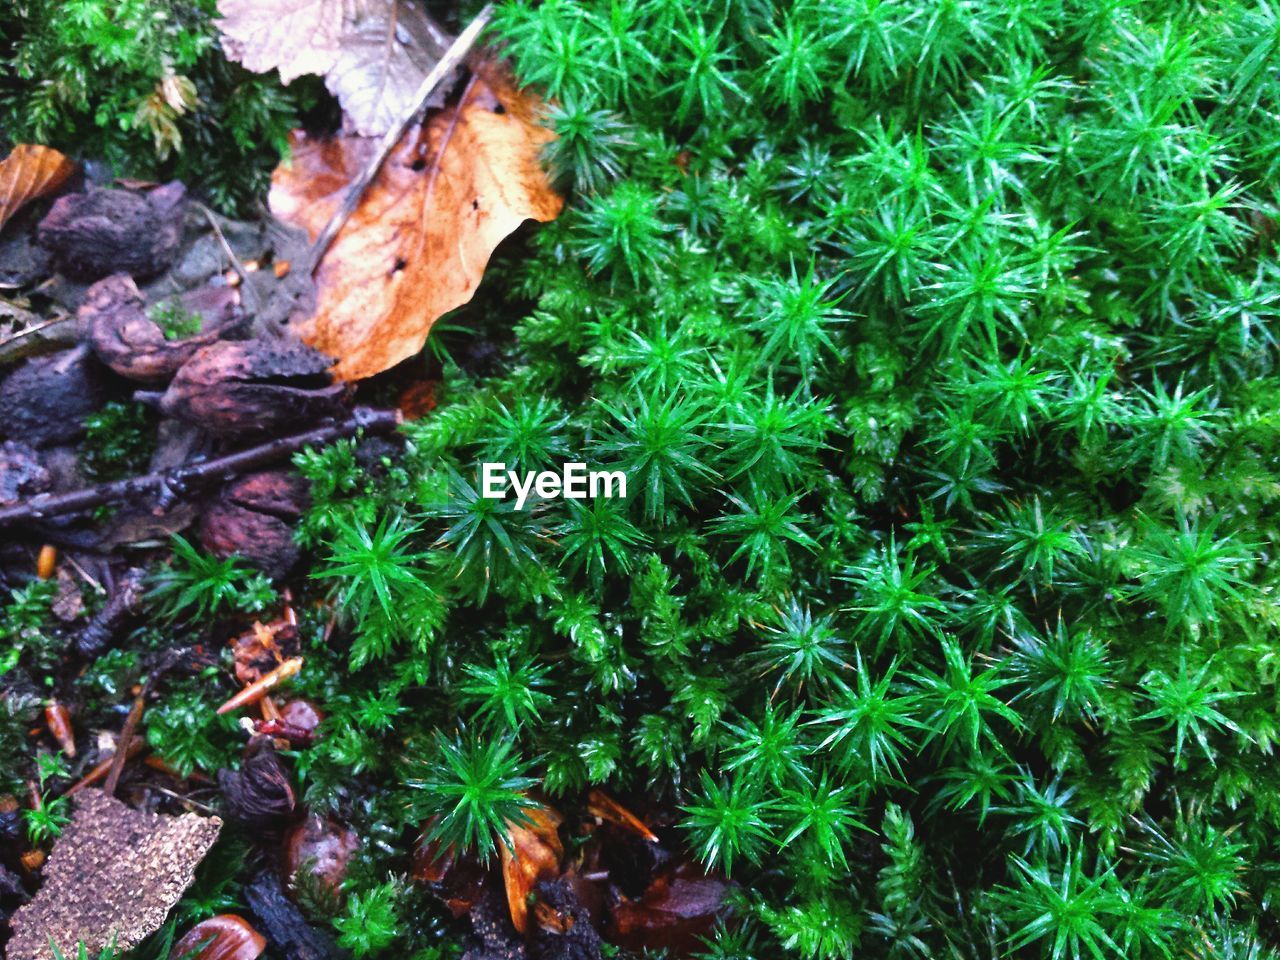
[491, 923]
[115, 614]
[283, 923]
[241, 388]
[259, 794]
[44, 401]
[563, 930]
[114, 873]
[127, 340]
[108, 231]
[21, 473]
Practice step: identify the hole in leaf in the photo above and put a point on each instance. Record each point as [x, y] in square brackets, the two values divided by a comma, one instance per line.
[401, 263]
[418, 165]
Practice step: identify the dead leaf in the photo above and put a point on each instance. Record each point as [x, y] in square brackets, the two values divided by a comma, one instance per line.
[114, 874]
[373, 54]
[676, 910]
[224, 937]
[418, 243]
[30, 171]
[458, 880]
[533, 853]
[257, 652]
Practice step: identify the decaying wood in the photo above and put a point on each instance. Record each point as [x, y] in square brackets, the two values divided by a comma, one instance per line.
[186, 480]
[114, 874]
[284, 924]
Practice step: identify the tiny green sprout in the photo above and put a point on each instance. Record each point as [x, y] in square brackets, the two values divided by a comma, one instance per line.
[175, 321]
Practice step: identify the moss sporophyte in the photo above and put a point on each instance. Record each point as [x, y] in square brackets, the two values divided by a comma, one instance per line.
[573, 482]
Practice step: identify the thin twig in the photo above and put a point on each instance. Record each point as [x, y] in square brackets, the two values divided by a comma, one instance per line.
[103, 768]
[452, 57]
[202, 807]
[27, 331]
[124, 742]
[190, 477]
[249, 293]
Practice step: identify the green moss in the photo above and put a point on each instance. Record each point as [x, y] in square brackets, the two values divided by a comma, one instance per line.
[937, 344]
[172, 106]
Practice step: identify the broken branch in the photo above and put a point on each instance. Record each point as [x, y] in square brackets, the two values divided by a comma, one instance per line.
[187, 479]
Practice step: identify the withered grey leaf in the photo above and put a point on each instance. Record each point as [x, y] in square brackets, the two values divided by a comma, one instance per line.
[373, 54]
[115, 873]
[296, 37]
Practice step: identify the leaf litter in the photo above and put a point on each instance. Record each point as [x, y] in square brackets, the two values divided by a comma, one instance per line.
[418, 243]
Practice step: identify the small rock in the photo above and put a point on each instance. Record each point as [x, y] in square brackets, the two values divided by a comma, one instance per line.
[21, 474]
[44, 401]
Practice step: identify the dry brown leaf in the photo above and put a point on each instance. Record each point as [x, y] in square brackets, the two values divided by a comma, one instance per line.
[418, 243]
[533, 853]
[30, 171]
[373, 54]
[676, 910]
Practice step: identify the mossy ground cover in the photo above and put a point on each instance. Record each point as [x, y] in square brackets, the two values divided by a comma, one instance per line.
[938, 343]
